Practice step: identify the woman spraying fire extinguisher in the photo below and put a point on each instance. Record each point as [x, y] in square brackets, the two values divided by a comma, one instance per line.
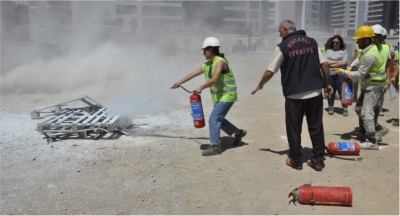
[221, 81]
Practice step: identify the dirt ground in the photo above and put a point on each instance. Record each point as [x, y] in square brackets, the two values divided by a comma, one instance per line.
[159, 169]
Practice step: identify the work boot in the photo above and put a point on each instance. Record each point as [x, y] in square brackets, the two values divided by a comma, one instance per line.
[380, 133]
[214, 150]
[317, 167]
[362, 137]
[345, 113]
[330, 111]
[238, 138]
[381, 113]
[369, 146]
[293, 165]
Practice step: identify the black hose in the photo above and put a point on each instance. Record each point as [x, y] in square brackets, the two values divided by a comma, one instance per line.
[185, 90]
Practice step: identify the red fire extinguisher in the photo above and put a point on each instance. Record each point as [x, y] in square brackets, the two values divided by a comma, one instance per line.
[321, 195]
[197, 111]
[347, 91]
[343, 148]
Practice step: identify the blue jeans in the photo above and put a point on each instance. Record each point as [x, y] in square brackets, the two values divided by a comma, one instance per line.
[217, 121]
[336, 83]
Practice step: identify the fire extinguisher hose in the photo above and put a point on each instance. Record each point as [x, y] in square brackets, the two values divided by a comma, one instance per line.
[185, 89]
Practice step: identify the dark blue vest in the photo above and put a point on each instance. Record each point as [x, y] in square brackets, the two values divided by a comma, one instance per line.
[300, 68]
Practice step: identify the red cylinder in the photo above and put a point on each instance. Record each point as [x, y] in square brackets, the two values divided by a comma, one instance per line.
[321, 195]
[347, 91]
[197, 111]
[344, 148]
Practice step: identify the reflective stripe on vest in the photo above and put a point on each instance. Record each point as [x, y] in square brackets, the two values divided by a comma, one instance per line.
[232, 81]
[225, 90]
[376, 74]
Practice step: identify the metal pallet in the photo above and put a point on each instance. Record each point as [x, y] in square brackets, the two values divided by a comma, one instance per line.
[89, 121]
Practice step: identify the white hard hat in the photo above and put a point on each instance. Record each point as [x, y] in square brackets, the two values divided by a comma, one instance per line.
[378, 29]
[384, 32]
[210, 42]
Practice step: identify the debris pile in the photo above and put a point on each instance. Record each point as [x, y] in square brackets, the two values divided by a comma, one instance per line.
[89, 121]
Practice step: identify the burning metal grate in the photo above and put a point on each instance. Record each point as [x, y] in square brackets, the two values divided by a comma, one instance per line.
[89, 121]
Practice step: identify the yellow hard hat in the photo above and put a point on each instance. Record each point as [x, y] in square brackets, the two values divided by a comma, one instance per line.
[364, 32]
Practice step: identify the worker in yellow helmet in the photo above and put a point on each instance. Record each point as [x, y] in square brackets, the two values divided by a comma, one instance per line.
[371, 69]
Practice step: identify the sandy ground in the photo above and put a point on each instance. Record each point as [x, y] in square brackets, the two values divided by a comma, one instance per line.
[159, 168]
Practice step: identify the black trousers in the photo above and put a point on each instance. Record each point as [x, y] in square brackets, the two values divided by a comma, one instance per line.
[295, 110]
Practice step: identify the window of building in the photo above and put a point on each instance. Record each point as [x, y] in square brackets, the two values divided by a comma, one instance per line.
[314, 7]
[59, 3]
[314, 15]
[271, 14]
[271, 22]
[235, 3]
[125, 9]
[235, 14]
[254, 4]
[271, 5]
[254, 15]
[161, 11]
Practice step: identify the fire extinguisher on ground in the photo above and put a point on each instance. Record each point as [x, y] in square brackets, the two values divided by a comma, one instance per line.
[321, 195]
[343, 148]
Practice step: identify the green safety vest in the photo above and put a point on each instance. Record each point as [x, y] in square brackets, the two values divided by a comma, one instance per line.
[323, 50]
[225, 88]
[358, 50]
[396, 55]
[377, 74]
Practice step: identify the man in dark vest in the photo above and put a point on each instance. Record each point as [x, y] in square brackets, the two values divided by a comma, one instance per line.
[300, 61]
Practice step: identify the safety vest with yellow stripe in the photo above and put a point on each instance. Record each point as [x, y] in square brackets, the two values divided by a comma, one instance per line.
[225, 88]
[377, 74]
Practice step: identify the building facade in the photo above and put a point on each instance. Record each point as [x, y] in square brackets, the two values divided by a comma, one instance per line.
[385, 13]
[49, 19]
[347, 16]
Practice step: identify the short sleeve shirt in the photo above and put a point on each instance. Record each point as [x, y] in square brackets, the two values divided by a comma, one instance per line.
[338, 55]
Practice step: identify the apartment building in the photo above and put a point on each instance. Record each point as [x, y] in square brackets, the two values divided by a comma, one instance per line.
[147, 16]
[324, 16]
[385, 13]
[14, 21]
[49, 19]
[243, 17]
[347, 16]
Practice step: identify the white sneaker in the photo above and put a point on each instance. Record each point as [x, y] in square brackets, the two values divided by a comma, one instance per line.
[368, 146]
[380, 133]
